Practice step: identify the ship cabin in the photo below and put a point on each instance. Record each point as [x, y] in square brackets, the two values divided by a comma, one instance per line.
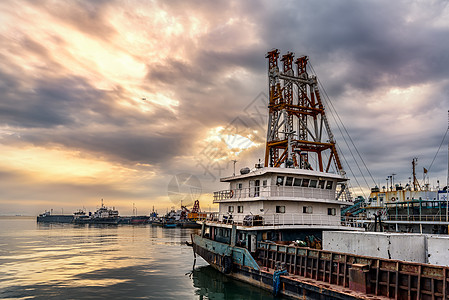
[405, 209]
[277, 204]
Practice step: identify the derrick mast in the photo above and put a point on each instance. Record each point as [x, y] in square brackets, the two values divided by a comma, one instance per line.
[299, 135]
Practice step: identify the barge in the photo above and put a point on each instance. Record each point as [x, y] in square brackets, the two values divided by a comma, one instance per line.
[304, 273]
[49, 217]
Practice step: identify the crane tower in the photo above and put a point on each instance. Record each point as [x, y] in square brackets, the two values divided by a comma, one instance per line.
[299, 135]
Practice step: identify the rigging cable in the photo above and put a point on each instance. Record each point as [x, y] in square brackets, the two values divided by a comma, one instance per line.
[350, 170]
[346, 131]
[346, 142]
[442, 141]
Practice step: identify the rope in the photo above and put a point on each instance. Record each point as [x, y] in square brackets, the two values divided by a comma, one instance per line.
[277, 281]
[442, 141]
[338, 120]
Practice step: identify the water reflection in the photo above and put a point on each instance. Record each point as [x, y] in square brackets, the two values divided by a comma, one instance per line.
[211, 284]
[65, 261]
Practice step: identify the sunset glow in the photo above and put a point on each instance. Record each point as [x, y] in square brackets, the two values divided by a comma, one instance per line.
[113, 99]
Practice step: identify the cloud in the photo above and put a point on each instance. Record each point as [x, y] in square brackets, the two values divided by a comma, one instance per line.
[74, 74]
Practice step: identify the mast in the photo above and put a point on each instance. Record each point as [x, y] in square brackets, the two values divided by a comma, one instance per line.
[416, 185]
[447, 181]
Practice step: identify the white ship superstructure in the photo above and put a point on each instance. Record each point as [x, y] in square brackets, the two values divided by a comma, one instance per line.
[294, 198]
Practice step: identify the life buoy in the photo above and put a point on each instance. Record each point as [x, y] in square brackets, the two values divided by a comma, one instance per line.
[231, 194]
[393, 199]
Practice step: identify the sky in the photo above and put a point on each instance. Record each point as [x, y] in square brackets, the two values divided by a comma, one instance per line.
[141, 103]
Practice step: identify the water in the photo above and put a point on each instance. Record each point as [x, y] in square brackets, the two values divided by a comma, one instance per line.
[65, 261]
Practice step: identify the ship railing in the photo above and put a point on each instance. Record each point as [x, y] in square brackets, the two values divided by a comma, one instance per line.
[275, 191]
[349, 221]
[428, 218]
[275, 219]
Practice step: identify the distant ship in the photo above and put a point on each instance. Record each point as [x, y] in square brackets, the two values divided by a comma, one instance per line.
[103, 215]
[411, 208]
[49, 217]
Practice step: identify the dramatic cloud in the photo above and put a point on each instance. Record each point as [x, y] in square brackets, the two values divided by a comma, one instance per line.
[111, 99]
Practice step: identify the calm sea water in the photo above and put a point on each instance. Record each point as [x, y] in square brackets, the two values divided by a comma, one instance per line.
[65, 261]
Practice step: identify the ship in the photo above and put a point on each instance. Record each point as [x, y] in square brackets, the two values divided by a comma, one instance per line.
[164, 222]
[293, 197]
[189, 217]
[274, 219]
[49, 217]
[103, 215]
[413, 208]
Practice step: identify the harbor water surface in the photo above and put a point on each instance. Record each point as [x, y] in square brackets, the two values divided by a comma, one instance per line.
[66, 261]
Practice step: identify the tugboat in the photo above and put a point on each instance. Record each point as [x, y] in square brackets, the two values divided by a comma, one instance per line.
[290, 199]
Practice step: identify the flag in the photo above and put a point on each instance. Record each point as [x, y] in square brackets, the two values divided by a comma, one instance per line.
[425, 170]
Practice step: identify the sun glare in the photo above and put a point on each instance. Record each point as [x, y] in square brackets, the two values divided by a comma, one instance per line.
[55, 165]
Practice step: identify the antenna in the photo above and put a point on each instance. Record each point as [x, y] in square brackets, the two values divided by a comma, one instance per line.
[392, 180]
[447, 182]
[234, 161]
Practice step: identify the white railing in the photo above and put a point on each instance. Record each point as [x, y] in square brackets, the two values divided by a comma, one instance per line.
[276, 219]
[427, 218]
[353, 221]
[275, 191]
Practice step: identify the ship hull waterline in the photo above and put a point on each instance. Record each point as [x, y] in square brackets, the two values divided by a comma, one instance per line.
[242, 268]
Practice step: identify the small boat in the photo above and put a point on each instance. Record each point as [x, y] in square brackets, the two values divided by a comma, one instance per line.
[138, 220]
[163, 222]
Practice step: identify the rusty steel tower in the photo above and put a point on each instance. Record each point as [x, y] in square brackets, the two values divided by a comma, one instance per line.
[299, 135]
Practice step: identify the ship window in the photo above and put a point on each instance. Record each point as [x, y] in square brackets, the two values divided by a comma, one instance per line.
[231, 209]
[313, 183]
[239, 186]
[280, 209]
[305, 182]
[264, 183]
[239, 209]
[329, 185]
[297, 182]
[331, 211]
[256, 188]
[307, 209]
[289, 181]
[321, 184]
[280, 180]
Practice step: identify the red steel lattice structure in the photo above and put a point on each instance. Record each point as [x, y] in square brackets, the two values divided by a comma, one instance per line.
[297, 124]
